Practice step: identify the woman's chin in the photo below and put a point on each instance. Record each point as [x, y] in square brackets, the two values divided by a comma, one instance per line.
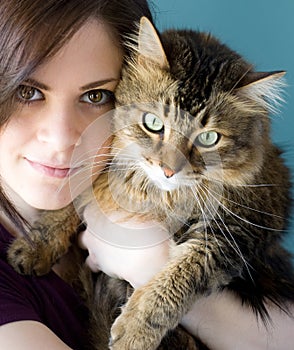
[44, 200]
[50, 204]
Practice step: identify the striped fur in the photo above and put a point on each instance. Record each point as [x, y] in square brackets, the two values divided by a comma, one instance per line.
[226, 205]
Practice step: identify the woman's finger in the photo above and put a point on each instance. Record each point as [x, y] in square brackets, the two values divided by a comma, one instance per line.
[91, 264]
[83, 240]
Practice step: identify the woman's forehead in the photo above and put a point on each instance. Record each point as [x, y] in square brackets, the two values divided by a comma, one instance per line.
[90, 55]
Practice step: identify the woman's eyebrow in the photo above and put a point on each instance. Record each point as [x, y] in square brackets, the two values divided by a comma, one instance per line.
[98, 83]
[36, 84]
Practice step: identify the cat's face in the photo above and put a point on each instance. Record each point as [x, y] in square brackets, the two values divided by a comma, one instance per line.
[175, 149]
[178, 128]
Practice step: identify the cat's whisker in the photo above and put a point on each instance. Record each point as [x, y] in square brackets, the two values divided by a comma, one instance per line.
[85, 179]
[87, 168]
[206, 223]
[235, 248]
[231, 240]
[258, 185]
[77, 173]
[210, 179]
[244, 206]
[245, 220]
[209, 220]
[92, 153]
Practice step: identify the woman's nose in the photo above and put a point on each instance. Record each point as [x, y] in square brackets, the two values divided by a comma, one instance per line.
[60, 127]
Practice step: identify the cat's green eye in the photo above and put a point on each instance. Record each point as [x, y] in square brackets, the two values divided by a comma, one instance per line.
[207, 138]
[153, 123]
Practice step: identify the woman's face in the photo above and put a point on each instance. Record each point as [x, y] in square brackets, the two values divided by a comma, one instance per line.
[57, 103]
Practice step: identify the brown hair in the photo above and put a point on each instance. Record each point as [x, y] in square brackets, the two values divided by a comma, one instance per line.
[31, 31]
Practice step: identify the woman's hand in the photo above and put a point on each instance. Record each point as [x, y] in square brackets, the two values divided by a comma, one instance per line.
[223, 323]
[124, 248]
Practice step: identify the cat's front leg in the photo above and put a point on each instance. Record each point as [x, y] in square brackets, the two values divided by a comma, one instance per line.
[46, 243]
[159, 306]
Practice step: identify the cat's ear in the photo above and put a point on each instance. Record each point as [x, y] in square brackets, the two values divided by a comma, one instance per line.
[149, 44]
[265, 88]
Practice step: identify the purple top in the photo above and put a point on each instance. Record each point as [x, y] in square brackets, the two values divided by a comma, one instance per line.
[47, 299]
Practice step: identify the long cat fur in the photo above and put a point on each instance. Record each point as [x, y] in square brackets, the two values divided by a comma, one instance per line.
[226, 206]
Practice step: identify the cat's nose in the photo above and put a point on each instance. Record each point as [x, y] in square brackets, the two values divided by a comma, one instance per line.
[168, 172]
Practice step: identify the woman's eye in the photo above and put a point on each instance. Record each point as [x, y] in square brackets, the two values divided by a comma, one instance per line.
[98, 97]
[208, 139]
[153, 123]
[28, 93]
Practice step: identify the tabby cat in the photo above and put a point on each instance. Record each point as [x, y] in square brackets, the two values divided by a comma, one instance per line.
[192, 150]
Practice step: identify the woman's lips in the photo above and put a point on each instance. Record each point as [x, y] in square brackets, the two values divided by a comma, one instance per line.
[57, 172]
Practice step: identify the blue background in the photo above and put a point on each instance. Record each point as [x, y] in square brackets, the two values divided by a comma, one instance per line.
[262, 31]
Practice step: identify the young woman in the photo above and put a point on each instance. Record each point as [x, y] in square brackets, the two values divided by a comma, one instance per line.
[60, 62]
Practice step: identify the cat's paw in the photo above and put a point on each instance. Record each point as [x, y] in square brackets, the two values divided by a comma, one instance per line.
[129, 332]
[29, 257]
[135, 328]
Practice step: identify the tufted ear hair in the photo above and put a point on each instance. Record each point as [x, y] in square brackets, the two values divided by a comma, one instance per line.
[265, 88]
[149, 44]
